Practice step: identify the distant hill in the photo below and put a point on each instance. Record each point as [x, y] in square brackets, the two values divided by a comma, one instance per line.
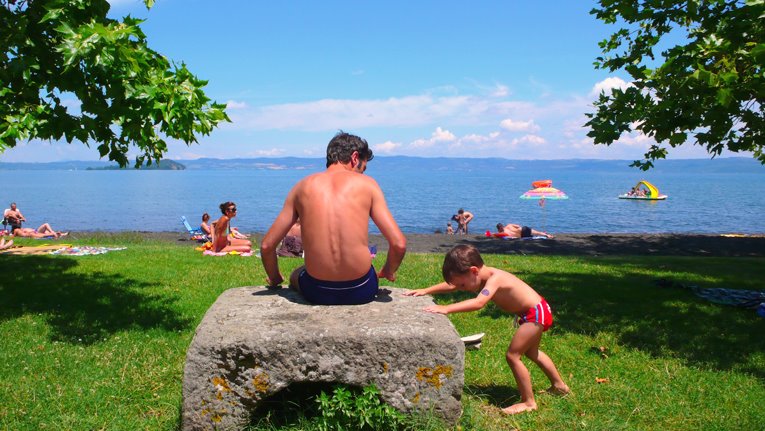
[400, 163]
[162, 165]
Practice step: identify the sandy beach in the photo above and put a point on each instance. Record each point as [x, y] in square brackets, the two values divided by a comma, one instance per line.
[563, 244]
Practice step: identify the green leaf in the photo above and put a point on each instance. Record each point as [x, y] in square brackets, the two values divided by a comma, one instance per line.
[724, 96]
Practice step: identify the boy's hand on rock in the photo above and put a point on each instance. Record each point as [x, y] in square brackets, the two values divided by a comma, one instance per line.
[416, 292]
[438, 309]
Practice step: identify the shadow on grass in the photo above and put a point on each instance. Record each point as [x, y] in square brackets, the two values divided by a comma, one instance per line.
[81, 308]
[664, 322]
[497, 395]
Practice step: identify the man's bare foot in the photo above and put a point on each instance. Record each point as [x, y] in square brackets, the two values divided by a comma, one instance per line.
[558, 390]
[519, 408]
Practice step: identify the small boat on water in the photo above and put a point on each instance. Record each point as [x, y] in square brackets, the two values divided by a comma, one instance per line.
[644, 191]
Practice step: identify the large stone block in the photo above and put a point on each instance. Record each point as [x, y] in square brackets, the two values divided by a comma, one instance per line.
[254, 342]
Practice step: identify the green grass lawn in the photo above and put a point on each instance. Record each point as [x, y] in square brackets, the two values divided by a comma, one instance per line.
[98, 342]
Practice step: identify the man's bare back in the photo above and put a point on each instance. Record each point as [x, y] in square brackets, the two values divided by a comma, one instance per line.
[336, 204]
[334, 208]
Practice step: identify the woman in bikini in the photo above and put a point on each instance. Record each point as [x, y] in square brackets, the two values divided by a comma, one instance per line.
[222, 241]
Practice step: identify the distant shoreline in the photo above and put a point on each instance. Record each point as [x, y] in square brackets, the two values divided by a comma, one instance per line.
[597, 244]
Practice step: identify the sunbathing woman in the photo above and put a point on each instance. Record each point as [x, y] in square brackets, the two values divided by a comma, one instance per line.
[222, 241]
[205, 226]
[43, 231]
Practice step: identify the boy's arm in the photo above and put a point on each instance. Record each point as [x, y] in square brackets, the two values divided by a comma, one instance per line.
[474, 304]
[437, 288]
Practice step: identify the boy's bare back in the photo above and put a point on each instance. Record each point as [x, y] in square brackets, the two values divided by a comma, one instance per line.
[511, 293]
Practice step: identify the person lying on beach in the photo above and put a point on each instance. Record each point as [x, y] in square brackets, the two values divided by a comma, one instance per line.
[464, 270]
[44, 231]
[518, 231]
[222, 240]
[5, 244]
[334, 208]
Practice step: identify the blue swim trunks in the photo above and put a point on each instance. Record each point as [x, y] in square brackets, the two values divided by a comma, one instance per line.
[352, 292]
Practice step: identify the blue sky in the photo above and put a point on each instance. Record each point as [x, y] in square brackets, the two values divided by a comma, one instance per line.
[511, 79]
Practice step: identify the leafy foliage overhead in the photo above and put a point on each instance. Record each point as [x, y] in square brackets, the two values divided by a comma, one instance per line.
[711, 89]
[67, 71]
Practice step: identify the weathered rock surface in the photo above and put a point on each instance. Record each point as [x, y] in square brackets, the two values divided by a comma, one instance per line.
[253, 342]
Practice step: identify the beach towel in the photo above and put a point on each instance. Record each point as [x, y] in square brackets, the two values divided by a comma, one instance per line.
[84, 250]
[525, 238]
[27, 250]
[233, 253]
[718, 295]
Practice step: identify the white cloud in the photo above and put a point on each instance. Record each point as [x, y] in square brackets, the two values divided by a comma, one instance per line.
[500, 91]
[532, 139]
[233, 104]
[519, 126]
[386, 147]
[607, 85]
[273, 152]
[440, 135]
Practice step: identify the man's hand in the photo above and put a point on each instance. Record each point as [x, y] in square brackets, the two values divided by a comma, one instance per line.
[416, 292]
[275, 282]
[387, 275]
[438, 309]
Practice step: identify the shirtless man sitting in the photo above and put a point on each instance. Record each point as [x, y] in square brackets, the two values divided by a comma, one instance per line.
[334, 208]
[518, 231]
[13, 217]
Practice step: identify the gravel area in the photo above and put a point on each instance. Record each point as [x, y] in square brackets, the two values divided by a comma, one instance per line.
[563, 244]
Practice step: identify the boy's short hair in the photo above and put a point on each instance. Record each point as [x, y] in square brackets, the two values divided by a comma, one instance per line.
[459, 260]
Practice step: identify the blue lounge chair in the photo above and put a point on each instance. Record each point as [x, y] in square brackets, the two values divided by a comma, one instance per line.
[195, 234]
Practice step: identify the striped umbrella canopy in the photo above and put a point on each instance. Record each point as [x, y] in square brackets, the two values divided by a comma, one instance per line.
[543, 189]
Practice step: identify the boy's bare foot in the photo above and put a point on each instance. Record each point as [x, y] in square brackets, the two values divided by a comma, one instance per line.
[519, 408]
[558, 390]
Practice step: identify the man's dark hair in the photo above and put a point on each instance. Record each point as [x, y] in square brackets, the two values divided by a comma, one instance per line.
[342, 146]
[500, 226]
[459, 260]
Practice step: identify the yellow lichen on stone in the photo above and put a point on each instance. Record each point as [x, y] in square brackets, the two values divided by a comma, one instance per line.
[432, 376]
[221, 385]
[260, 382]
[386, 367]
[416, 398]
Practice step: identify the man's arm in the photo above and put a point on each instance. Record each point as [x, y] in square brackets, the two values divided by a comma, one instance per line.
[468, 217]
[384, 221]
[275, 234]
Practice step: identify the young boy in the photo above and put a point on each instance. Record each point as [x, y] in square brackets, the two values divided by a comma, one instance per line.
[464, 270]
[449, 229]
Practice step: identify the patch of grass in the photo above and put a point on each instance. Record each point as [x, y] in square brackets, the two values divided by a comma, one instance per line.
[99, 342]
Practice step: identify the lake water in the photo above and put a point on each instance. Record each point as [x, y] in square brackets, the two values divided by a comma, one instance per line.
[420, 200]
